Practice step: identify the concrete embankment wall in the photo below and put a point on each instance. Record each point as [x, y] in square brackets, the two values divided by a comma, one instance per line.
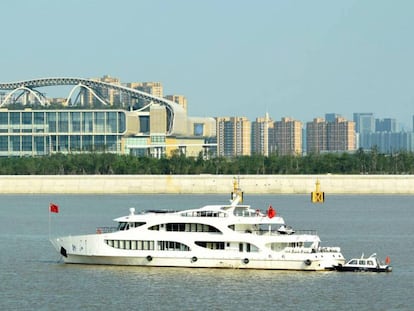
[206, 184]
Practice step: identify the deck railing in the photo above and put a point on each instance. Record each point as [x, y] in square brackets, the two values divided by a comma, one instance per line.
[100, 230]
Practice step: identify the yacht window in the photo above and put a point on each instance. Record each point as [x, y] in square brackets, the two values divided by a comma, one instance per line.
[277, 246]
[362, 262]
[172, 246]
[353, 262]
[370, 262]
[138, 224]
[307, 244]
[128, 244]
[210, 245]
[122, 225]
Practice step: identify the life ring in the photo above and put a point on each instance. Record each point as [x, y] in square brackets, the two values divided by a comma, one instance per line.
[246, 260]
[308, 262]
[149, 258]
[194, 259]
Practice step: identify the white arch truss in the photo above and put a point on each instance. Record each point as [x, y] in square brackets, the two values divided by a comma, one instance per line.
[80, 85]
[22, 88]
[173, 109]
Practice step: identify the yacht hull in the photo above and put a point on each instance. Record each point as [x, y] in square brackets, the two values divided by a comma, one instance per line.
[281, 261]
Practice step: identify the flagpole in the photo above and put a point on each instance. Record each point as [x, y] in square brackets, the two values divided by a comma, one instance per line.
[49, 222]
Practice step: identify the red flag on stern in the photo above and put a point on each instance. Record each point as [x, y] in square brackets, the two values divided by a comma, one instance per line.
[54, 208]
[271, 212]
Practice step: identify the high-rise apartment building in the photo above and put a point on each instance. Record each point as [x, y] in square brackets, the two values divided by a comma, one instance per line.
[261, 140]
[324, 136]
[341, 135]
[316, 136]
[233, 136]
[288, 136]
[153, 88]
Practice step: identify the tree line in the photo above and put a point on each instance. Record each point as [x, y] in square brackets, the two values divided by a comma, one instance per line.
[360, 162]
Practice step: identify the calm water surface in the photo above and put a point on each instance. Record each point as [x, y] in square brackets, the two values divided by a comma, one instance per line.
[33, 278]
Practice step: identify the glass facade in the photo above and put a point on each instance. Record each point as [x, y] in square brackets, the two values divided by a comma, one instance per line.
[42, 132]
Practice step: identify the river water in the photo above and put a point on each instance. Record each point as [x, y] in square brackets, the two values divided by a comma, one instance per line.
[32, 277]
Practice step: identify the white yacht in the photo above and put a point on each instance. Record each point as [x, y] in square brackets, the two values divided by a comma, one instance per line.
[231, 235]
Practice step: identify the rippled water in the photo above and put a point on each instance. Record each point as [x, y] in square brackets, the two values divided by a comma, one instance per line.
[33, 278]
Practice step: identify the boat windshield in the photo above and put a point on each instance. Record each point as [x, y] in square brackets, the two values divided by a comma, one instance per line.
[122, 225]
[127, 225]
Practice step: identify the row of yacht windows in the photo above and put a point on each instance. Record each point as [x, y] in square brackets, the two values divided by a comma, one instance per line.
[204, 214]
[177, 246]
[147, 245]
[184, 227]
[280, 246]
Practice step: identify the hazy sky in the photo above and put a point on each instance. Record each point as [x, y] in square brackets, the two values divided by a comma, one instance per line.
[229, 58]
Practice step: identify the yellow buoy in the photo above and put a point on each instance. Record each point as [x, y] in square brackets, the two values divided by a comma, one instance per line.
[318, 196]
[236, 191]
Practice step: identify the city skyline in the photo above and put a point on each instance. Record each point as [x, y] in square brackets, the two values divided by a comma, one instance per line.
[156, 89]
[290, 59]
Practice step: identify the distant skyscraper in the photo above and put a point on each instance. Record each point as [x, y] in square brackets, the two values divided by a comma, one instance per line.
[364, 122]
[288, 136]
[364, 127]
[331, 117]
[316, 140]
[341, 135]
[233, 136]
[386, 125]
[261, 144]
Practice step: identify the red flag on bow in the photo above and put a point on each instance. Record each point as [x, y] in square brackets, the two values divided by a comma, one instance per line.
[271, 212]
[54, 208]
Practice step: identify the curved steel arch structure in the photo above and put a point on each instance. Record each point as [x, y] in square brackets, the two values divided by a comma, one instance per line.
[86, 87]
[22, 88]
[173, 108]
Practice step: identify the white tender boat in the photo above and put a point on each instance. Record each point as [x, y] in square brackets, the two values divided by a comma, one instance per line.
[214, 236]
[370, 264]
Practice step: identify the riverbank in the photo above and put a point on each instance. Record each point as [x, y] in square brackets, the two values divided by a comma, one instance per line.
[205, 184]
